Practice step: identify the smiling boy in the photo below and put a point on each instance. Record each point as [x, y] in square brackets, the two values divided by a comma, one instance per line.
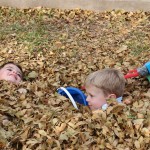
[11, 72]
[103, 85]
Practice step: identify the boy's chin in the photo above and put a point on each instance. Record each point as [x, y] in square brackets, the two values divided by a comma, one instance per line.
[12, 80]
[92, 108]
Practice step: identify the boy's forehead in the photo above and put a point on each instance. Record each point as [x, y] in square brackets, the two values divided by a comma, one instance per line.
[12, 66]
[92, 88]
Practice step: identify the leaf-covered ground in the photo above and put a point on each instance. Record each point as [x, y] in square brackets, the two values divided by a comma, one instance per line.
[60, 48]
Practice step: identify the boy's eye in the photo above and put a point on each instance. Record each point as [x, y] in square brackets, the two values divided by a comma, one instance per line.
[19, 75]
[91, 95]
[9, 69]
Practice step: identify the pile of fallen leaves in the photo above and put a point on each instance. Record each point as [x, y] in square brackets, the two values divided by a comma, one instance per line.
[60, 48]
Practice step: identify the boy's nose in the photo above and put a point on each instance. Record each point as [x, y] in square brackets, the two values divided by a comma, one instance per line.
[14, 72]
[88, 99]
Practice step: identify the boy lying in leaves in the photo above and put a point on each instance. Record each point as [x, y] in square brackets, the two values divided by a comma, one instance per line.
[100, 86]
[103, 85]
[11, 72]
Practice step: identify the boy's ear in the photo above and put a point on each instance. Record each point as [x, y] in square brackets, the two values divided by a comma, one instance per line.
[112, 96]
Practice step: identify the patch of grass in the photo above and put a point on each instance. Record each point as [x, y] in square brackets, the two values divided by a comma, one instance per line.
[131, 117]
[7, 30]
[33, 35]
[34, 38]
[138, 48]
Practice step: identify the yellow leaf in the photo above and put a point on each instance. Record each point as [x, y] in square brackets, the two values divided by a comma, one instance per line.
[60, 128]
[145, 132]
[33, 75]
[42, 132]
[137, 144]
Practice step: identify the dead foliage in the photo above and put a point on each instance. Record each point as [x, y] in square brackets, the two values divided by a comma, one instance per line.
[60, 48]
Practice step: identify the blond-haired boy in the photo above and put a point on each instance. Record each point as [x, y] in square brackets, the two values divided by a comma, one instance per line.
[103, 85]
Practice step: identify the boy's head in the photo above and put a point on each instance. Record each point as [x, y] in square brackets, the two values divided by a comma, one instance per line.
[11, 72]
[102, 85]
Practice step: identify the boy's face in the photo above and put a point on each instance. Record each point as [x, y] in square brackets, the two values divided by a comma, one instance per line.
[11, 72]
[95, 97]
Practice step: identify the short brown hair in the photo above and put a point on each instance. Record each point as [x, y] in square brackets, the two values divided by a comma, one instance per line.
[110, 81]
